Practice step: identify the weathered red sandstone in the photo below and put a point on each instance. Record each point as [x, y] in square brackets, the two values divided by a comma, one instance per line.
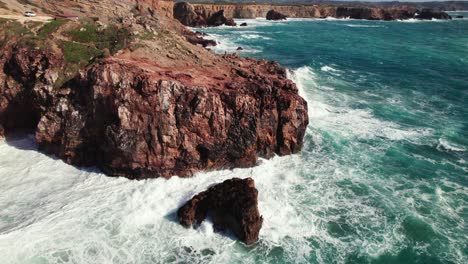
[232, 205]
[136, 124]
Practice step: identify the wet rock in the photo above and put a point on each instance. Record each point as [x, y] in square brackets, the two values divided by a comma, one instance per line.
[243, 24]
[218, 19]
[195, 39]
[240, 48]
[428, 14]
[232, 205]
[273, 15]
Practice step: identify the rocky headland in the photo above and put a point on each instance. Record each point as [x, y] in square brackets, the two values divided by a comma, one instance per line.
[137, 95]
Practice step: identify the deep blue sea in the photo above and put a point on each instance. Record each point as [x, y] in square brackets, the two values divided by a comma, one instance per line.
[382, 178]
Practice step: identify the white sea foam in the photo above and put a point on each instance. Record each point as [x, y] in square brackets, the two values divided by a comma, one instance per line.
[363, 26]
[444, 144]
[344, 121]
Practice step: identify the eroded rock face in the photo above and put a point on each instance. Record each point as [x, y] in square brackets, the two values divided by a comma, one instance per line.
[131, 123]
[273, 15]
[318, 11]
[188, 16]
[232, 205]
[26, 86]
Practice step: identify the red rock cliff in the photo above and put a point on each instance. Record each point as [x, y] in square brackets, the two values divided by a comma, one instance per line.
[159, 108]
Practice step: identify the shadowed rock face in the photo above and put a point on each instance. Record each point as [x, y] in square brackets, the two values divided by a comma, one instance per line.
[273, 15]
[187, 15]
[430, 14]
[232, 205]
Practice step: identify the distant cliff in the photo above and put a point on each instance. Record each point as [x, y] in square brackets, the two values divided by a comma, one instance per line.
[315, 11]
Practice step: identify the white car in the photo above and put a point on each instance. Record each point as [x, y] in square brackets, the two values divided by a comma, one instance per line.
[29, 14]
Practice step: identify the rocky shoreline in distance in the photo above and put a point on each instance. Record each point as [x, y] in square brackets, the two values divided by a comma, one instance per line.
[201, 15]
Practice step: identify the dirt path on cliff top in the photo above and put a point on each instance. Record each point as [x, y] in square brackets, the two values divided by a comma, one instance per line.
[22, 19]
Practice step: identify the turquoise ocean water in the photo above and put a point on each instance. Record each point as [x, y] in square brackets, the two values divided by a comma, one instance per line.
[388, 134]
[382, 178]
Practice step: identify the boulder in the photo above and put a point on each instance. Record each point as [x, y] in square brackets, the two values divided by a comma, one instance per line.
[232, 205]
[243, 24]
[273, 15]
[218, 19]
[196, 39]
[240, 48]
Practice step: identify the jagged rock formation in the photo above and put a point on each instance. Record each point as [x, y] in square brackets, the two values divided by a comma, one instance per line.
[149, 105]
[232, 205]
[314, 11]
[186, 14]
[273, 15]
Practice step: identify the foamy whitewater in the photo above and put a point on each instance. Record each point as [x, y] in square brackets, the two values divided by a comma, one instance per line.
[382, 178]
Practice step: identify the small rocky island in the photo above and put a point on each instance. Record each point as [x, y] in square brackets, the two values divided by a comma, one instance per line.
[273, 15]
[232, 205]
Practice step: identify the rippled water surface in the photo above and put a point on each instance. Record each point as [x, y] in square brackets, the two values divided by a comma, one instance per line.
[382, 177]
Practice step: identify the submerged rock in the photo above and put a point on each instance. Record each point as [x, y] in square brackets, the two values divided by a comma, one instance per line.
[233, 205]
[273, 15]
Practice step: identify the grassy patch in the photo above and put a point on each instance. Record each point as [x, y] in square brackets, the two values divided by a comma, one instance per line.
[11, 29]
[112, 37]
[147, 35]
[79, 54]
[51, 27]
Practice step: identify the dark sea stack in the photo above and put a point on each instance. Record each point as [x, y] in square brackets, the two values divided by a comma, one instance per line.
[232, 205]
[230, 22]
[187, 15]
[184, 12]
[428, 14]
[354, 12]
[243, 24]
[273, 15]
[218, 19]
